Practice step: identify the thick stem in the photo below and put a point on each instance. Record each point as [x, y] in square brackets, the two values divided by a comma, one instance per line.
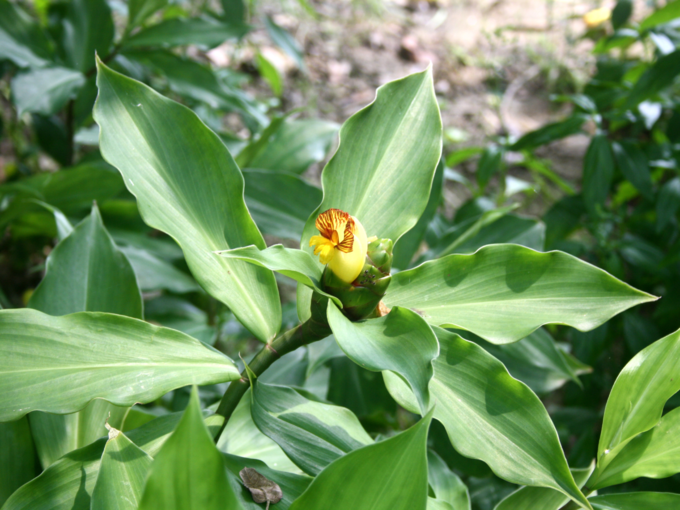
[306, 333]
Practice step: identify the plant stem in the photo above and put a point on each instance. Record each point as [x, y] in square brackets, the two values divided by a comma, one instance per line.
[303, 334]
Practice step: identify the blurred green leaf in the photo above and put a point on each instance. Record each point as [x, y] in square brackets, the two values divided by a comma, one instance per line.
[154, 273]
[446, 484]
[187, 185]
[204, 32]
[636, 501]
[45, 90]
[598, 171]
[374, 477]
[286, 42]
[667, 203]
[490, 163]
[17, 457]
[660, 75]
[87, 30]
[667, 13]
[122, 474]
[634, 166]
[550, 133]
[504, 292]
[22, 40]
[270, 74]
[621, 13]
[234, 10]
[140, 10]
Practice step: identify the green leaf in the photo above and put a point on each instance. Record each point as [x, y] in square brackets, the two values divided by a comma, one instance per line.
[667, 13]
[660, 75]
[22, 40]
[621, 13]
[295, 146]
[381, 173]
[45, 90]
[122, 474]
[634, 166]
[490, 416]
[374, 477]
[140, 10]
[88, 30]
[504, 292]
[540, 498]
[311, 433]
[400, 342]
[550, 133]
[269, 199]
[285, 41]
[59, 364]
[296, 264]
[189, 472]
[205, 32]
[410, 242]
[242, 438]
[637, 399]
[154, 273]
[17, 457]
[637, 501]
[490, 162]
[446, 485]
[188, 186]
[652, 454]
[270, 74]
[87, 272]
[234, 9]
[668, 203]
[598, 172]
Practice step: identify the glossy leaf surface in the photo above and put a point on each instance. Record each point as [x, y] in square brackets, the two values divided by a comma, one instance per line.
[504, 292]
[59, 364]
[187, 185]
[374, 477]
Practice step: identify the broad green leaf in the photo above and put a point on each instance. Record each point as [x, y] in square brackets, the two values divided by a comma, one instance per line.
[621, 13]
[652, 454]
[637, 399]
[17, 457]
[205, 32]
[68, 483]
[140, 10]
[189, 472]
[45, 90]
[504, 292]
[188, 186]
[280, 203]
[667, 13]
[400, 342]
[374, 477]
[490, 416]
[242, 438]
[541, 498]
[88, 30]
[295, 146]
[550, 133]
[410, 242]
[534, 360]
[436, 504]
[59, 364]
[381, 173]
[311, 433]
[446, 485]
[490, 162]
[360, 390]
[660, 75]
[87, 272]
[22, 40]
[634, 166]
[122, 473]
[234, 9]
[598, 171]
[637, 501]
[285, 41]
[177, 313]
[154, 273]
[668, 203]
[57, 434]
[296, 264]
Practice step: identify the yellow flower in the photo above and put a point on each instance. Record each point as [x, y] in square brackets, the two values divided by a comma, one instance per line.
[596, 17]
[342, 243]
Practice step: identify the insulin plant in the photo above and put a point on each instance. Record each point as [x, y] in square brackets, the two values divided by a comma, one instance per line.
[80, 351]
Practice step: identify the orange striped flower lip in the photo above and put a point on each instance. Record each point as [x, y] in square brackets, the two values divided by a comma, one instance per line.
[331, 223]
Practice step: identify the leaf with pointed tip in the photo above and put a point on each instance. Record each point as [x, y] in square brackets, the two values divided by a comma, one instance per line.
[400, 342]
[637, 400]
[490, 416]
[189, 472]
[637, 501]
[188, 186]
[122, 473]
[139, 10]
[59, 364]
[203, 31]
[296, 264]
[311, 433]
[88, 30]
[541, 498]
[374, 477]
[504, 292]
[446, 485]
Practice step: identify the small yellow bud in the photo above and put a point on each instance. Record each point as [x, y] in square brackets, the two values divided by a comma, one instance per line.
[342, 244]
[596, 17]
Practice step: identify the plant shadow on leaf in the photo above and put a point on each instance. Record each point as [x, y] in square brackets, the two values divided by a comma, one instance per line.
[521, 274]
[495, 404]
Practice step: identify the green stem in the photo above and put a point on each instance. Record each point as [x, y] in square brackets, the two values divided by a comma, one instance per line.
[306, 333]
